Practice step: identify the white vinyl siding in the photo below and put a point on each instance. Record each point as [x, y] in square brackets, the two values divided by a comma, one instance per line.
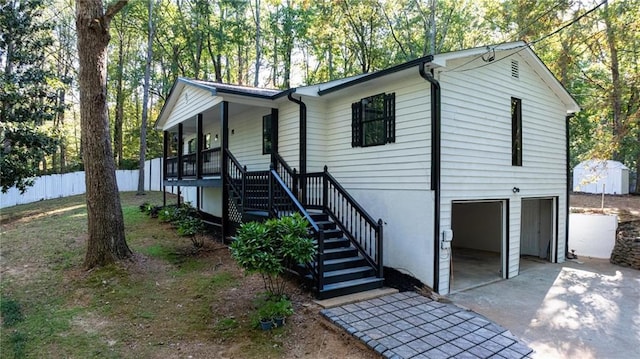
[400, 165]
[391, 182]
[316, 134]
[191, 102]
[246, 141]
[476, 145]
[289, 133]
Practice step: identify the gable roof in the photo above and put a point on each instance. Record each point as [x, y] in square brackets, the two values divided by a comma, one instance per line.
[214, 88]
[438, 61]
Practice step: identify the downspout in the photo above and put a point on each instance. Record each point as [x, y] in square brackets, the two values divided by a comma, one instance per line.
[303, 146]
[569, 185]
[435, 166]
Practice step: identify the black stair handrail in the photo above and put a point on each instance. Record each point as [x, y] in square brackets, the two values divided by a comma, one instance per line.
[235, 175]
[282, 201]
[288, 175]
[365, 233]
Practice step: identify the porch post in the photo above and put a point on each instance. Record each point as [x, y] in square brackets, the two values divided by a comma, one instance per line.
[199, 146]
[224, 118]
[165, 153]
[274, 135]
[180, 145]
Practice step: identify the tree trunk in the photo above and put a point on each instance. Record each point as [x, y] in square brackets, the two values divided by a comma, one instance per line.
[145, 102]
[106, 241]
[637, 190]
[256, 77]
[616, 91]
[119, 120]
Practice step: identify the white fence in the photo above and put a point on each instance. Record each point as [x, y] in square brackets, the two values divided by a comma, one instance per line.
[70, 184]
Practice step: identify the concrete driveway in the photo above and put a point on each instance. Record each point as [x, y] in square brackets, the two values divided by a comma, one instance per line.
[581, 310]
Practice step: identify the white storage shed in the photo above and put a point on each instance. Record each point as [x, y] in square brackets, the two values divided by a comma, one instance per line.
[598, 176]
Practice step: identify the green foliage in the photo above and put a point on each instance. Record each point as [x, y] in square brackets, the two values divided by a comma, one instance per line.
[11, 312]
[28, 95]
[269, 307]
[270, 247]
[190, 226]
[186, 220]
[150, 209]
[174, 214]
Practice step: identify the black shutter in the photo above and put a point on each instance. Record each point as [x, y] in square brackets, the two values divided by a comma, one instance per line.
[390, 117]
[356, 124]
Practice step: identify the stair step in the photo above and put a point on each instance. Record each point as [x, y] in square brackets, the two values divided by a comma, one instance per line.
[348, 287]
[333, 233]
[343, 275]
[319, 216]
[343, 263]
[325, 224]
[336, 243]
[340, 252]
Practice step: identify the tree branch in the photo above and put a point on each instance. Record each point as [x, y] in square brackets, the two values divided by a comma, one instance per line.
[113, 9]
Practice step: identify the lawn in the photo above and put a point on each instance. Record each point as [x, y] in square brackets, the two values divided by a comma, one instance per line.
[170, 301]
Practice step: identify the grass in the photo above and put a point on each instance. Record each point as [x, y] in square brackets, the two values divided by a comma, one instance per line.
[165, 299]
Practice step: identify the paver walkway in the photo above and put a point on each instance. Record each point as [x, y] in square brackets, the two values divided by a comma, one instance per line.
[408, 325]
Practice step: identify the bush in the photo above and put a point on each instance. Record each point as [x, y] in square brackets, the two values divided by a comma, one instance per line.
[150, 209]
[269, 248]
[186, 220]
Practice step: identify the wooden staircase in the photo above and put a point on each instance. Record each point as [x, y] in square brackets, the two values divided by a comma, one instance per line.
[345, 270]
[346, 262]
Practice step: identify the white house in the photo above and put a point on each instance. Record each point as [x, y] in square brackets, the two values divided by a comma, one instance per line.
[464, 150]
[598, 176]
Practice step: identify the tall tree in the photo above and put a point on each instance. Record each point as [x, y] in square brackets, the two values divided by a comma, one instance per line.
[145, 102]
[106, 241]
[26, 100]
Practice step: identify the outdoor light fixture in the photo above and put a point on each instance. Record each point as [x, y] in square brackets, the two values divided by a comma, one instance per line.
[215, 138]
[516, 190]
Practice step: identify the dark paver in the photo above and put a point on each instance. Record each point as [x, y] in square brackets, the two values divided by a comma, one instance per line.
[408, 325]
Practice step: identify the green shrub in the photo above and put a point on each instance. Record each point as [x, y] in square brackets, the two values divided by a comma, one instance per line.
[269, 307]
[269, 248]
[11, 312]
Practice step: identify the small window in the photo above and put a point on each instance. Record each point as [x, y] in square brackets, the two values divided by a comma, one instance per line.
[516, 131]
[207, 141]
[373, 121]
[266, 134]
[192, 145]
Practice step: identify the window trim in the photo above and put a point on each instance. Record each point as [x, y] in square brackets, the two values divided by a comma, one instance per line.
[267, 145]
[516, 132]
[360, 119]
[191, 143]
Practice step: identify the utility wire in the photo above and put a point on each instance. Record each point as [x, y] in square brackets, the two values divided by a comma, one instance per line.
[526, 45]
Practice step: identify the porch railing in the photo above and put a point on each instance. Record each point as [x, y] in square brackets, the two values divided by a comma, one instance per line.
[211, 161]
[172, 166]
[211, 164]
[189, 165]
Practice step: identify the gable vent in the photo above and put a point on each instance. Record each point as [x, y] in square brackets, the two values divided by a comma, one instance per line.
[515, 72]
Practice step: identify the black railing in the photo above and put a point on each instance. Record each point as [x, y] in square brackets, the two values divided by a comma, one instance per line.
[256, 193]
[276, 192]
[211, 164]
[283, 202]
[171, 163]
[288, 175]
[235, 175]
[189, 165]
[365, 233]
[212, 161]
